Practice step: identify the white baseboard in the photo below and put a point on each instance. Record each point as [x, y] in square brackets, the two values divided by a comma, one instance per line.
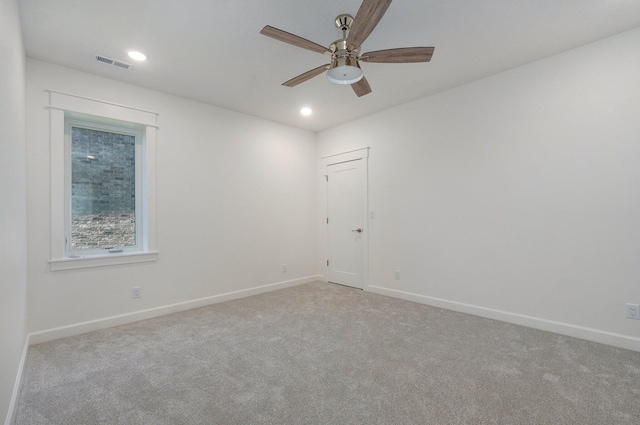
[595, 335]
[13, 404]
[108, 322]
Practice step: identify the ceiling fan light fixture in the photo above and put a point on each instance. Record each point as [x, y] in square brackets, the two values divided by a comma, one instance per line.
[345, 70]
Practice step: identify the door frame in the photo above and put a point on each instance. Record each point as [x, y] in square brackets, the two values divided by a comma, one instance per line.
[354, 155]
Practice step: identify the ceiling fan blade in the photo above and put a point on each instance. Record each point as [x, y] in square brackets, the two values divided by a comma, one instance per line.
[362, 87]
[306, 76]
[401, 55]
[293, 39]
[368, 16]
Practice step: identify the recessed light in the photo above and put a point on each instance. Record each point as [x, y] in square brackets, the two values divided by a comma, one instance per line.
[306, 111]
[137, 56]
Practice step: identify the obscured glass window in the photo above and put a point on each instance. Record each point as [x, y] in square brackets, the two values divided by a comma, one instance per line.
[103, 189]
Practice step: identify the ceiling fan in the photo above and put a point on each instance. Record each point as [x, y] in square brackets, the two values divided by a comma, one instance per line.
[345, 53]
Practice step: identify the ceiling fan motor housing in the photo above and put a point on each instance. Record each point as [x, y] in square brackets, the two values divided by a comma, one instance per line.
[340, 48]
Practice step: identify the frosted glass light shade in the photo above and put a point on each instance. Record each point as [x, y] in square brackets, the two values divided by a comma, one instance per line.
[345, 74]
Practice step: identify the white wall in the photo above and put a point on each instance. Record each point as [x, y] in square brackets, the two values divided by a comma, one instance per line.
[13, 203]
[516, 196]
[233, 205]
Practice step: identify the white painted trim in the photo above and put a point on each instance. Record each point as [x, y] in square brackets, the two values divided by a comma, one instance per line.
[125, 115]
[81, 114]
[149, 200]
[57, 184]
[13, 404]
[616, 340]
[102, 260]
[345, 156]
[108, 322]
[102, 101]
[101, 108]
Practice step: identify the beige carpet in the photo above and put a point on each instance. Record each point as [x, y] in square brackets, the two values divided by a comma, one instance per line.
[327, 354]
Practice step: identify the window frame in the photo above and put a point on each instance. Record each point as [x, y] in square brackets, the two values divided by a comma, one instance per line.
[64, 108]
[71, 121]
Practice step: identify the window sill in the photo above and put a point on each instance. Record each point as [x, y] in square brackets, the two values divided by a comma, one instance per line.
[102, 260]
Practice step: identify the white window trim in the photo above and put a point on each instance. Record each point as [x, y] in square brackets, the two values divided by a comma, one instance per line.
[61, 104]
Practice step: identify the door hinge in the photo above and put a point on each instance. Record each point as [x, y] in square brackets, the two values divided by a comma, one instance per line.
[327, 220]
[326, 177]
[327, 263]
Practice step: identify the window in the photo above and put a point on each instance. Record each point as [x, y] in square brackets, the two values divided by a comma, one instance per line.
[102, 183]
[103, 188]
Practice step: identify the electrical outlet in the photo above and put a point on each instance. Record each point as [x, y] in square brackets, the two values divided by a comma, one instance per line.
[284, 268]
[633, 311]
[396, 274]
[136, 292]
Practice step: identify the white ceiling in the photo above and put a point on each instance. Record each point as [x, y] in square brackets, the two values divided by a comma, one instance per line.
[212, 50]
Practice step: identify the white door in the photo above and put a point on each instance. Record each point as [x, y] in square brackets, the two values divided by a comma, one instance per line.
[346, 196]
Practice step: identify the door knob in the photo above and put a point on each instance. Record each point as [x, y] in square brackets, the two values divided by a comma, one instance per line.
[359, 230]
